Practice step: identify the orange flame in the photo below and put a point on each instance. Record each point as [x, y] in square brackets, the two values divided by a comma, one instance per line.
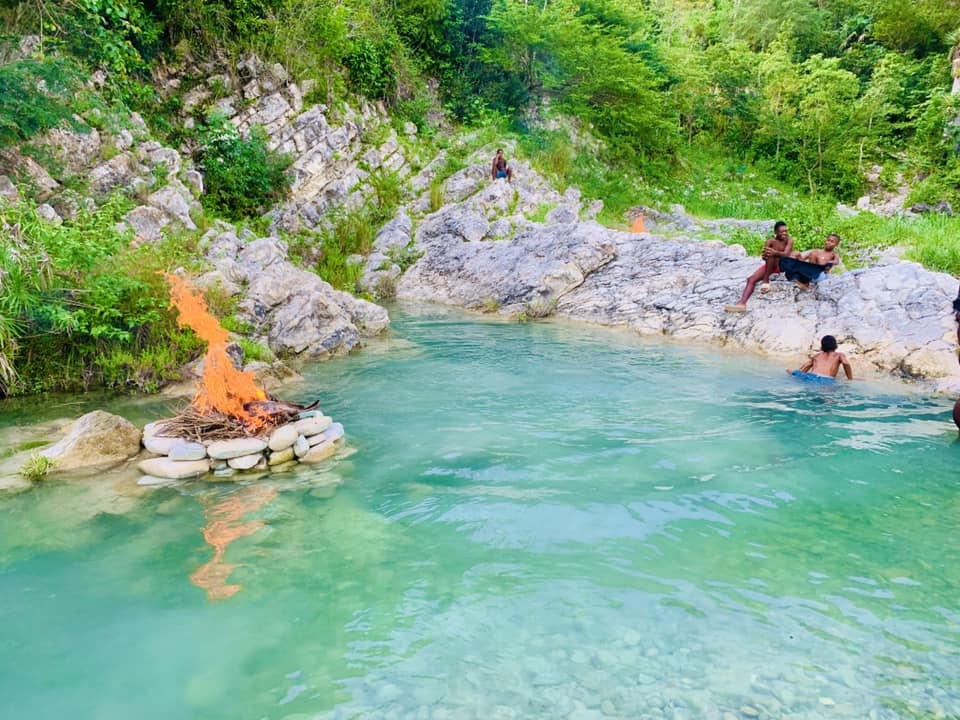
[223, 389]
[638, 226]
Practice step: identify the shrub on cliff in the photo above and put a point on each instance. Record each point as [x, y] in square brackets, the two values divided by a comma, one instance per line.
[76, 296]
[34, 97]
[243, 177]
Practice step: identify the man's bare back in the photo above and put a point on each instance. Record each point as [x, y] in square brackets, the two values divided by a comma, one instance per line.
[828, 364]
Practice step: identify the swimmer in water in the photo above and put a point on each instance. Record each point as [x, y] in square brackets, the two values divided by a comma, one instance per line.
[827, 362]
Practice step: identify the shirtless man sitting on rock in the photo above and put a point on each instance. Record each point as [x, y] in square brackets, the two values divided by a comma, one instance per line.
[499, 168]
[780, 245]
[826, 258]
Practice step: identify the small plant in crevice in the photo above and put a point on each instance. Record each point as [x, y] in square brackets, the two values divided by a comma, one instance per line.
[540, 214]
[537, 310]
[36, 467]
[490, 305]
[404, 257]
[386, 288]
[387, 188]
[437, 195]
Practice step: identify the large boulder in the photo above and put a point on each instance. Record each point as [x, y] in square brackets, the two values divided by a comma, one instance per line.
[74, 150]
[94, 440]
[535, 266]
[305, 316]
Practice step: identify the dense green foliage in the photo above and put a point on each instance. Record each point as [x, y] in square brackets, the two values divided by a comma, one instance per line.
[815, 92]
[79, 306]
[35, 96]
[242, 176]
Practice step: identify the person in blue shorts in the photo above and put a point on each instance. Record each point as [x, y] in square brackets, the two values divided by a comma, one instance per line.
[826, 363]
[500, 169]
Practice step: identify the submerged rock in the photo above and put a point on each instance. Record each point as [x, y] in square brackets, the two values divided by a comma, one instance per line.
[173, 469]
[95, 439]
[319, 452]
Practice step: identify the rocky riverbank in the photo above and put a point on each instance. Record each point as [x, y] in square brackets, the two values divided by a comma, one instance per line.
[481, 251]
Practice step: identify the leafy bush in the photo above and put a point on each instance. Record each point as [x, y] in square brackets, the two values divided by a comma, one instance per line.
[115, 34]
[34, 97]
[80, 307]
[243, 177]
[371, 68]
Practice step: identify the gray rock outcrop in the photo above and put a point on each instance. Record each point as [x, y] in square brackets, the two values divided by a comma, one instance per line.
[893, 317]
[295, 312]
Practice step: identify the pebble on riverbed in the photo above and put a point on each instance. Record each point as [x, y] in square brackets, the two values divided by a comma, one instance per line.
[312, 437]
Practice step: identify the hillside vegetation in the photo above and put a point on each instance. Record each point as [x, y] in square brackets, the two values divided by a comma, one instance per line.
[814, 91]
[746, 108]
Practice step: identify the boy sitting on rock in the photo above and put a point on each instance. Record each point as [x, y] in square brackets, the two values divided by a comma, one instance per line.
[804, 268]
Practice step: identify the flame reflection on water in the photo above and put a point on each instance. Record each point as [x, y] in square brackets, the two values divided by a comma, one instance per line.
[224, 525]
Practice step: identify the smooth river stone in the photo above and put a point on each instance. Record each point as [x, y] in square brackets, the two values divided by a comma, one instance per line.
[281, 456]
[226, 449]
[283, 437]
[319, 452]
[301, 447]
[334, 433]
[313, 425]
[173, 469]
[185, 450]
[161, 445]
[245, 462]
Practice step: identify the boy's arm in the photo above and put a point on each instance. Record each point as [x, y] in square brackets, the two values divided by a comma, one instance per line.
[846, 366]
[807, 365]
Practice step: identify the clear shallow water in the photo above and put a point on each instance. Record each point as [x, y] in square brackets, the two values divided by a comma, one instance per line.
[540, 521]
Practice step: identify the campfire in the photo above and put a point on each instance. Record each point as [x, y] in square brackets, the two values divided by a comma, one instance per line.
[231, 425]
[228, 403]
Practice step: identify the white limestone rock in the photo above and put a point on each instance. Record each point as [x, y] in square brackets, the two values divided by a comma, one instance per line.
[301, 447]
[227, 449]
[283, 437]
[313, 425]
[185, 450]
[173, 469]
[245, 462]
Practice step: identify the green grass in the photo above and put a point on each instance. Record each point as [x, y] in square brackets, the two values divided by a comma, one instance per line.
[540, 214]
[254, 351]
[21, 447]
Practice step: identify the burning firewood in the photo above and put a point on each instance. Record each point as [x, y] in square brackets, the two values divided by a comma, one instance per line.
[228, 403]
[275, 406]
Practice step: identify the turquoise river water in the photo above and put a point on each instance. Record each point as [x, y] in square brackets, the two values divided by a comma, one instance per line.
[538, 521]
